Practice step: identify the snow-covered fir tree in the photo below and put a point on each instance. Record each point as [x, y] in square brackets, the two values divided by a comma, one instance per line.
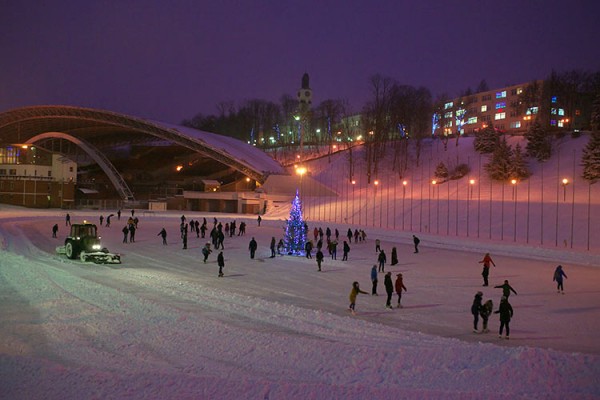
[499, 167]
[539, 142]
[519, 169]
[295, 230]
[591, 158]
[595, 119]
[486, 140]
[441, 171]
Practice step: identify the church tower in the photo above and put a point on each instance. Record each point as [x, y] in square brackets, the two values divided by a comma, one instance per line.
[305, 94]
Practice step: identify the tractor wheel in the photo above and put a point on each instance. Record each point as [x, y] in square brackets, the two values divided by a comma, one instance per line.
[70, 250]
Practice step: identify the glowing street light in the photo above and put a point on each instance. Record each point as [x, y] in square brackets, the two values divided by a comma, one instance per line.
[565, 182]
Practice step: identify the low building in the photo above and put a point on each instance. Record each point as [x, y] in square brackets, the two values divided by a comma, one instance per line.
[31, 176]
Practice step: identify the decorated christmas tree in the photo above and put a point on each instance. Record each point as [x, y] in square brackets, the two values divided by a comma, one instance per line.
[295, 231]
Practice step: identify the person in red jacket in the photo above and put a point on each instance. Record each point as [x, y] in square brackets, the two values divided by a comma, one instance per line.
[399, 286]
[487, 260]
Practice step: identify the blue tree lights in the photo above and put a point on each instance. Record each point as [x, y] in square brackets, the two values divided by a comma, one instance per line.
[295, 230]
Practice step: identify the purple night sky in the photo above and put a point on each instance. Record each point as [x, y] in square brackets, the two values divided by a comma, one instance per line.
[168, 60]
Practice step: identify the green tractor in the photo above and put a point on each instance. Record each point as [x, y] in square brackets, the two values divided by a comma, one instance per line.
[84, 243]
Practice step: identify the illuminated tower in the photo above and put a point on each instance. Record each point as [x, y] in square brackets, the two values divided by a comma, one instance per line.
[304, 103]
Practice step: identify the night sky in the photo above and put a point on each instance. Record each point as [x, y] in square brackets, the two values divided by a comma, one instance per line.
[169, 60]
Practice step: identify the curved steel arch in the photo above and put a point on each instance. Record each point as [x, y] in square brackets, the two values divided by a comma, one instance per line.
[65, 118]
[104, 163]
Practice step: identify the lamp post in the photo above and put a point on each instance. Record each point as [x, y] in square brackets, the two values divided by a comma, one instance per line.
[565, 182]
[353, 184]
[404, 183]
[470, 189]
[514, 183]
[375, 184]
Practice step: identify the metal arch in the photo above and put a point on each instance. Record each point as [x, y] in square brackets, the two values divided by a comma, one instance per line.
[48, 114]
[104, 163]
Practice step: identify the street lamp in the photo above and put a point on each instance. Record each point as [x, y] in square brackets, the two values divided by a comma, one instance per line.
[404, 183]
[514, 183]
[565, 182]
[469, 195]
[375, 184]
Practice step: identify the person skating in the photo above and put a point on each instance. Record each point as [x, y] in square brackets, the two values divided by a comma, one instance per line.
[416, 241]
[346, 251]
[125, 231]
[163, 234]
[506, 312]
[394, 256]
[476, 309]
[381, 259]
[259, 219]
[389, 289]
[399, 286]
[68, 220]
[206, 251]
[353, 294]
[319, 257]
[374, 280]
[506, 289]
[252, 247]
[377, 246]
[280, 246]
[308, 246]
[272, 247]
[221, 263]
[54, 230]
[349, 235]
[185, 239]
[485, 312]
[487, 260]
[558, 278]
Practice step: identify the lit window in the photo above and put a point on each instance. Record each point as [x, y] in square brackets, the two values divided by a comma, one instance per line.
[448, 114]
[554, 99]
[501, 95]
[448, 105]
[500, 105]
[561, 111]
[560, 123]
[516, 124]
[448, 124]
[483, 108]
[532, 110]
[553, 122]
[500, 116]
[553, 111]
[519, 90]
[472, 120]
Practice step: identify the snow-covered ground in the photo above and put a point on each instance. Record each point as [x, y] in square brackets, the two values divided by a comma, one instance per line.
[162, 325]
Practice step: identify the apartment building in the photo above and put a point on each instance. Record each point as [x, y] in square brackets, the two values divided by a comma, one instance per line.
[31, 176]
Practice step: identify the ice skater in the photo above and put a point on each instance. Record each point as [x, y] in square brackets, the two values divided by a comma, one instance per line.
[399, 285]
[506, 289]
[487, 260]
[416, 241]
[353, 294]
[485, 312]
[374, 280]
[389, 289]
[558, 278]
[221, 263]
[506, 312]
[476, 309]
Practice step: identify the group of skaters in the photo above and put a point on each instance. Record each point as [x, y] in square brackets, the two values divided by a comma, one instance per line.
[505, 309]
